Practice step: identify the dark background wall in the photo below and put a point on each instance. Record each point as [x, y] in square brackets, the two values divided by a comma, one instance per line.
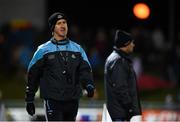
[115, 13]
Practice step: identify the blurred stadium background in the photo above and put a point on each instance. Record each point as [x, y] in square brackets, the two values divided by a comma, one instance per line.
[23, 26]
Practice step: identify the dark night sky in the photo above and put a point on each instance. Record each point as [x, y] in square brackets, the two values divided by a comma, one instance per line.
[114, 13]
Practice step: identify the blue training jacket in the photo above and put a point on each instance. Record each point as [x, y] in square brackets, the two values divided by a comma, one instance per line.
[61, 69]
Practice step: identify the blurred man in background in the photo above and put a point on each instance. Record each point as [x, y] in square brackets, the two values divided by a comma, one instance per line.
[120, 80]
[61, 68]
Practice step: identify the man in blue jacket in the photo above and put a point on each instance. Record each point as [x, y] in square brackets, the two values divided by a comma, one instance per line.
[61, 69]
[120, 80]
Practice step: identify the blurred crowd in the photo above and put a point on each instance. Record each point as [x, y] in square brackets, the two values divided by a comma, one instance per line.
[16, 46]
[154, 53]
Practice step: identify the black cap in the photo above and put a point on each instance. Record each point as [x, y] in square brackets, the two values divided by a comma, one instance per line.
[54, 18]
[122, 38]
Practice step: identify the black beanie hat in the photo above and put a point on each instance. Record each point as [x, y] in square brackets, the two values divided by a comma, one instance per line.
[54, 18]
[122, 39]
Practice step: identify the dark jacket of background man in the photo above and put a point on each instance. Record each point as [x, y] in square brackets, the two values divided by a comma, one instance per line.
[120, 80]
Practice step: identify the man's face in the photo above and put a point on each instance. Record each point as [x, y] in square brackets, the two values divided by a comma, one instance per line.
[61, 28]
[130, 47]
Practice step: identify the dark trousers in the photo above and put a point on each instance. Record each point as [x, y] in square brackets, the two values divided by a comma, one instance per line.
[120, 119]
[61, 110]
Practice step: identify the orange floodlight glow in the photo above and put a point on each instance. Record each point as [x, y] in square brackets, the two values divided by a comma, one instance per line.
[141, 10]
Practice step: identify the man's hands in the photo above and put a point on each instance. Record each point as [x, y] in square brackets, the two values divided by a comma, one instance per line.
[30, 108]
[90, 90]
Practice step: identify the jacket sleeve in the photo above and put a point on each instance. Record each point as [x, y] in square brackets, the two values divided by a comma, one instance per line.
[34, 73]
[85, 71]
[120, 83]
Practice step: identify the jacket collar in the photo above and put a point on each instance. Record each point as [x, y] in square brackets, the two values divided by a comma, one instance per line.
[123, 54]
[60, 42]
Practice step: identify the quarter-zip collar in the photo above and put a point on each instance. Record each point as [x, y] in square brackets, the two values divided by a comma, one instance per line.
[60, 42]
